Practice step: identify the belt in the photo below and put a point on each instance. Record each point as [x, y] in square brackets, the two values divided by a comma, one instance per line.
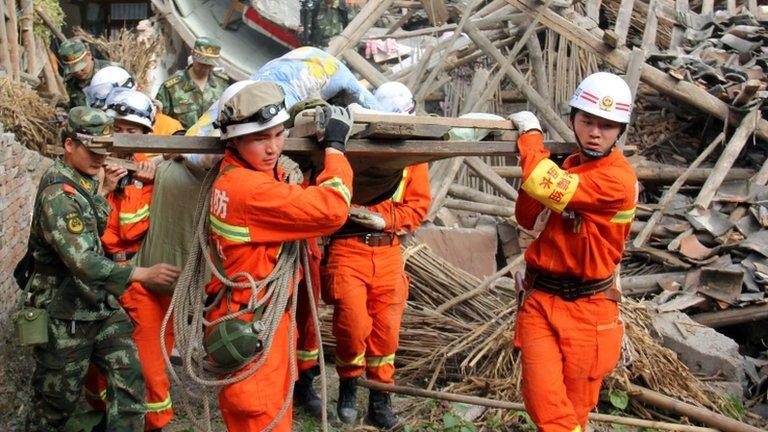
[570, 288]
[121, 256]
[372, 239]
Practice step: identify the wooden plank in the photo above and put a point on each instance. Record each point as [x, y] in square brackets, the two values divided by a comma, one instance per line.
[593, 9]
[726, 160]
[402, 131]
[436, 11]
[549, 115]
[667, 197]
[367, 17]
[651, 27]
[359, 64]
[428, 120]
[750, 88]
[619, 58]
[623, 19]
[678, 31]
[636, 61]
[732, 317]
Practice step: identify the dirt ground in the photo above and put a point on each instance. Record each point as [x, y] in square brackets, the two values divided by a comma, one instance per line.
[16, 365]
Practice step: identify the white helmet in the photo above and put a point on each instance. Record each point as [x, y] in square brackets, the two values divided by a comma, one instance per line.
[103, 81]
[131, 105]
[394, 97]
[250, 106]
[604, 95]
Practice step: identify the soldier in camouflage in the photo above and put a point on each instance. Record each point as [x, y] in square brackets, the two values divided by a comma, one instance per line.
[324, 19]
[79, 286]
[188, 93]
[78, 67]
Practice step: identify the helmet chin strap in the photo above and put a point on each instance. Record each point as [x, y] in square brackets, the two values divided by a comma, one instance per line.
[594, 154]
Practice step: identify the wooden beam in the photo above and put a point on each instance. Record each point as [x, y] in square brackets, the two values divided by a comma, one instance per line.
[732, 316]
[367, 17]
[678, 31]
[636, 61]
[402, 131]
[13, 39]
[648, 284]
[470, 194]
[619, 58]
[5, 54]
[487, 209]
[539, 70]
[431, 149]
[27, 36]
[486, 173]
[359, 64]
[726, 160]
[667, 197]
[549, 115]
[49, 23]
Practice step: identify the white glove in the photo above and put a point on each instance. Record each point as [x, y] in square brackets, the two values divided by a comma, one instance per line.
[367, 218]
[525, 121]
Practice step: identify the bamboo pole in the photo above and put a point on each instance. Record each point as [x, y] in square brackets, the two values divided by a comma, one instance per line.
[516, 406]
[486, 173]
[13, 38]
[482, 208]
[645, 234]
[549, 115]
[51, 86]
[510, 62]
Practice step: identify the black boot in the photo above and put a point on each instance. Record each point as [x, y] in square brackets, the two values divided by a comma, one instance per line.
[304, 395]
[346, 408]
[379, 411]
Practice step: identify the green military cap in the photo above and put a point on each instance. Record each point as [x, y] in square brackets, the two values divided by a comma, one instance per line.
[206, 51]
[85, 123]
[73, 56]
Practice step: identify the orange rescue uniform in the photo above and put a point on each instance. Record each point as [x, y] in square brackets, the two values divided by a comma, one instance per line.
[368, 287]
[307, 346]
[568, 347]
[252, 214]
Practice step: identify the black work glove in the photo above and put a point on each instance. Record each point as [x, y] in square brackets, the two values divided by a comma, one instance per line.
[334, 126]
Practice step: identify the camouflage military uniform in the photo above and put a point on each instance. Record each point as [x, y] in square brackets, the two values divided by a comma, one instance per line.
[78, 287]
[182, 99]
[75, 87]
[328, 20]
[73, 57]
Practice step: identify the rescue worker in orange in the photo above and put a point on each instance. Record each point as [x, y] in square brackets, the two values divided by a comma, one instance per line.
[252, 213]
[134, 113]
[568, 327]
[365, 281]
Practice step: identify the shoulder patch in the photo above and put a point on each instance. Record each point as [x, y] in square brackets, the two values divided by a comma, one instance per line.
[74, 223]
[172, 81]
[221, 74]
[68, 189]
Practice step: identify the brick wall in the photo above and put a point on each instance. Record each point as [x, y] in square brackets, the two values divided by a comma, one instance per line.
[20, 172]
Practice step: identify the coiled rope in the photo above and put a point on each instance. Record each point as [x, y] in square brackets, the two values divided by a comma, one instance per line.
[187, 310]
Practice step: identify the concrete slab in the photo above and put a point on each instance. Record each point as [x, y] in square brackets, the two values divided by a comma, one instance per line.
[702, 349]
[471, 249]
